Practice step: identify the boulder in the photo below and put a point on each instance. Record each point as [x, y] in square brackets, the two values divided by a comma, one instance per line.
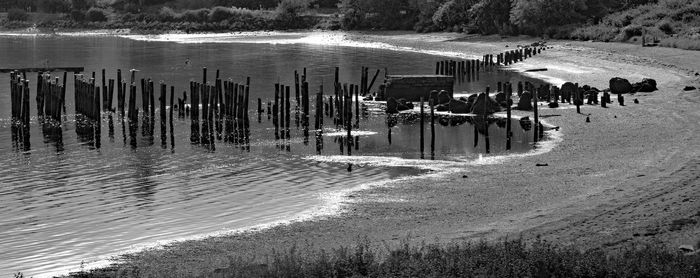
[567, 91]
[460, 107]
[525, 102]
[553, 105]
[592, 97]
[689, 88]
[525, 123]
[444, 121]
[444, 97]
[433, 95]
[394, 106]
[501, 98]
[442, 108]
[408, 105]
[620, 86]
[686, 248]
[488, 108]
[647, 85]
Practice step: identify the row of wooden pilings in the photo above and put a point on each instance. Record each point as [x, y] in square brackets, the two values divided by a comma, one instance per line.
[19, 96]
[223, 106]
[468, 70]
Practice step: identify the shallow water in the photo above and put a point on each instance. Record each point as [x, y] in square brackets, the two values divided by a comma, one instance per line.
[67, 198]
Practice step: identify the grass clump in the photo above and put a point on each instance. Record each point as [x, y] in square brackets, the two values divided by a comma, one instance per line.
[514, 258]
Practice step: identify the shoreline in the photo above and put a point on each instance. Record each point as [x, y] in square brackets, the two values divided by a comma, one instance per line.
[428, 211]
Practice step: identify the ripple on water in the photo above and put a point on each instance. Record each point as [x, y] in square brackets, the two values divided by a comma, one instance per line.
[66, 200]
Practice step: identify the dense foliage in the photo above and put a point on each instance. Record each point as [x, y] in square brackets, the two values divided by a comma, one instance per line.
[673, 22]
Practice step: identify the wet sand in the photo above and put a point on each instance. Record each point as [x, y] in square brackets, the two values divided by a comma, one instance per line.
[630, 175]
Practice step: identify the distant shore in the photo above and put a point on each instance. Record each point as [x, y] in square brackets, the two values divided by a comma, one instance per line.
[631, 175]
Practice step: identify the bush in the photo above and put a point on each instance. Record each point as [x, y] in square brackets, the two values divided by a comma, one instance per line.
[629, 32]
[96, 15]
[603, 33]
[665, 26]
[166, 14]
[77, 15]
[199, 15]
[289, 11]
[17, 15]
[682, 43]
[450, 14]
[53, 6]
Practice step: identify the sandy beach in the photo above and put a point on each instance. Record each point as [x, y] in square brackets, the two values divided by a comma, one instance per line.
[630, 175]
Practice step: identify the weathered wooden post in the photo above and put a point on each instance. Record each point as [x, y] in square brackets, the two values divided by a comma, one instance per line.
[508, 115]
[357, 106]
[422, 130]
[287, 107]
[486, 120]
[432, 129]
[577, 100]
[534, 107]
[163, 92]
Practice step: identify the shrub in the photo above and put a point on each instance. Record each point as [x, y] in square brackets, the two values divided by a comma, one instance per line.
[629, 32]
[77, 15]
[17, 15]
[96, 14]
[450, 14]
[604, 33]
[166, 14]
[665, 26]
[353, 14]
[289, 11]
[53, 6]
[682, 43]
[199, 15]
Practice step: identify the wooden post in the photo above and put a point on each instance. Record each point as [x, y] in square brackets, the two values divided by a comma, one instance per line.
[432, 129]
[348, 119]
[172, 99]
[260, 110]
[577, 100]
[151, 101]
[508, 115]
[163, 93]
[110, 95]
[422, 130]
[534, 107]
[486, 119]
[105, 98]
[275, 111]
[287, 107]
[357, 106]
[283, 113]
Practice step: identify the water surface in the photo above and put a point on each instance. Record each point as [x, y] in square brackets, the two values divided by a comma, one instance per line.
[66, 197]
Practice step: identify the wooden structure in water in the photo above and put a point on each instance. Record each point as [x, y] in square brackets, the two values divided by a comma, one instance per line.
[415, 87]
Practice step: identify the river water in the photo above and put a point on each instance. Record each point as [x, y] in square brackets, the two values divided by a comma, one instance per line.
[66, 199]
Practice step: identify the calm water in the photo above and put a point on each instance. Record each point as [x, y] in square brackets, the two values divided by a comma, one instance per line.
[65, 198]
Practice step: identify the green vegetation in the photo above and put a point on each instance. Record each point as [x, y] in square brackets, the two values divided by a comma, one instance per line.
[162, 15]
[674, 23]
[506, 259]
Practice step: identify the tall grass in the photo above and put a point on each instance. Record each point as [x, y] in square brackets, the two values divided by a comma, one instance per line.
[505, 259]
